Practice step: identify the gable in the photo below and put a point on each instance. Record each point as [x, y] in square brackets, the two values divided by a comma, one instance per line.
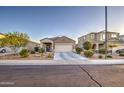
[46, 40]
[64, 39]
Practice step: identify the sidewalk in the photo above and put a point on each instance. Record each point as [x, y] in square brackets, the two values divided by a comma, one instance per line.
[60, 62]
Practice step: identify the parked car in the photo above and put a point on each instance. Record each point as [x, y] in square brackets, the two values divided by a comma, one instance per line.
[5, 49]
[119, 51]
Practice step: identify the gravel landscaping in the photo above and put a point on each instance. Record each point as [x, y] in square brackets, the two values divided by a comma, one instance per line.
[36, 56]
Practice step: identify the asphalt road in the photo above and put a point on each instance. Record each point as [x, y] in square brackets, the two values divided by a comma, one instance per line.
[68, 56]
[62, 76]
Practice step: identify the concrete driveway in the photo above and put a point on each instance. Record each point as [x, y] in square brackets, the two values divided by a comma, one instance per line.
[68, 56]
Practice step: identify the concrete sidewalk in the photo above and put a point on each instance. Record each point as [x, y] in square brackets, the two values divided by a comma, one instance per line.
[60, 62]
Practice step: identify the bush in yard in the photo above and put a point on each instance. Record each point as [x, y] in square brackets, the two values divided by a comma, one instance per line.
[88, 53]
[50, 55]
[87, 45]
[102, 51]
[32, 52]
[121, 54]
[78, 50]
[109, 56]
[100, 56]
[41, 50]
[24, 53]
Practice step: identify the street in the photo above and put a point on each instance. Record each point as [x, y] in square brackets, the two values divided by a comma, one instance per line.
[62, 75]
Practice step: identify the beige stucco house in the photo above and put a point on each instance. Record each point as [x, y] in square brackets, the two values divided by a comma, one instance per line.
[58, 44]
[98, 39]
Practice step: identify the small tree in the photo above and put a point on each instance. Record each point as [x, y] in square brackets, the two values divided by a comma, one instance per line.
[112, 46]
[24, 53]
[41, 50]
[88, 52]
[14, 39]
[87, 45]
[78, 50]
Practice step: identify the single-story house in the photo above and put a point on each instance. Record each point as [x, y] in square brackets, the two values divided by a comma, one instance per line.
[58, 44]
[31, 45]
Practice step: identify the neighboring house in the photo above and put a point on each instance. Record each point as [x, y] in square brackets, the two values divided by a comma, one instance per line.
[58, 44]
[98, 39]
[121, 38]
[31, 45]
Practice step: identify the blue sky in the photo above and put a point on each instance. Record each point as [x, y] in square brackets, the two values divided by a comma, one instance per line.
[41, 22]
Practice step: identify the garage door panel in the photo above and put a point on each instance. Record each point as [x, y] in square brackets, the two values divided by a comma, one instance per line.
[63, 48]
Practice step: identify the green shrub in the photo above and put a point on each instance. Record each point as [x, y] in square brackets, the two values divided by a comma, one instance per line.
[100, 56]
[102, 51]
[50, 55]
[78, 50]
[121, 54]
[87, 45]
[32, 52]
[88, 53]
[24, 53]
[41, 50]
[109, 56]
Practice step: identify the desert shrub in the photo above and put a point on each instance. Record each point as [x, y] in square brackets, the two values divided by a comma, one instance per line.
[100, 56]
[24, 53]
[109, 56]
[41, 50]
[32, 52]
[49, 55]
[121, 54]
[87, 45]
[102, 51]
[88, 53]
[78, 50]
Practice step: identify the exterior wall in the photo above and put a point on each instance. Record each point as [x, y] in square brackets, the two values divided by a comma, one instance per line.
[31, 45]
[110, 35]
[92, 37]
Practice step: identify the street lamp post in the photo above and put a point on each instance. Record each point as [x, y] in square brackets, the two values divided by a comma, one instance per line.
[106, 32]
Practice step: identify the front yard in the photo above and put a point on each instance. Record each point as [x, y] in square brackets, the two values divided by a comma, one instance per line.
[96, 56]
[36, 56]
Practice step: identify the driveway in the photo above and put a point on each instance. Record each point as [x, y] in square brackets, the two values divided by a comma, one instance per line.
[68, 56]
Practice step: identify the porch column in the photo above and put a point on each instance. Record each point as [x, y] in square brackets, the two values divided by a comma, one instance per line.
[52, 47]
[97, 46]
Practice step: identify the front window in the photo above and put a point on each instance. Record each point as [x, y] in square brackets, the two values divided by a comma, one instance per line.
[102, 37]
[92, 36]
[113, 35]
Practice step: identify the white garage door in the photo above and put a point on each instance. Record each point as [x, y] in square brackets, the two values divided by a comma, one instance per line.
[63, 47]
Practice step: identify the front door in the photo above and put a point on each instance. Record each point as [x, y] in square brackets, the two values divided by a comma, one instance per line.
[48, 48]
